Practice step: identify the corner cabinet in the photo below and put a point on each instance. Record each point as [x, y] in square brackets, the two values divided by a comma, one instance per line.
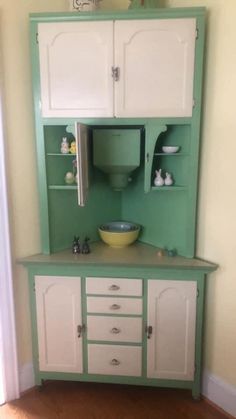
[135, 323]
[118, 316]
[122, 68]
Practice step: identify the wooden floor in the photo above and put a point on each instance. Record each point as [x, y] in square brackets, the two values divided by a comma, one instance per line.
[104, 401]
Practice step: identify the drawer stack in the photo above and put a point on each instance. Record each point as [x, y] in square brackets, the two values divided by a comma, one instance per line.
[114, 326]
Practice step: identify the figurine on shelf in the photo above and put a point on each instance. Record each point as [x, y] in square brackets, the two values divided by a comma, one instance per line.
[83, 6]
[158, 181]
[172, 252]
[85, 246]
[69, 178]
[73, 147]
[64, 146]
[76, 245]
[168, 179]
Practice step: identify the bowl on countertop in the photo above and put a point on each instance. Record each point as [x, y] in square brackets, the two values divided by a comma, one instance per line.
[119, 234]
[169, 149]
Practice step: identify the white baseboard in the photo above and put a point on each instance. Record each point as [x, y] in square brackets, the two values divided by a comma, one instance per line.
[27, 380]
[219, 392]
[213, 388]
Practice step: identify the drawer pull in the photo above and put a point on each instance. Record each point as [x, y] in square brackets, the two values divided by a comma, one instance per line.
[115, 307]
[115, 362]
[115, 330]
[114, 287]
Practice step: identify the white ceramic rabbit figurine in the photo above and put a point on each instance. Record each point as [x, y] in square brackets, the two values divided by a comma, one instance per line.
[158, 181]
[168, 179]
[64, 146]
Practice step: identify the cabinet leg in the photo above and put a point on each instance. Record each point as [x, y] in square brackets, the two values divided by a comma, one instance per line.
[196, 392]
[41, 386]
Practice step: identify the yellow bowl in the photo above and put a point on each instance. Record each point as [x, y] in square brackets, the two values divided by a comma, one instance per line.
[119, 234]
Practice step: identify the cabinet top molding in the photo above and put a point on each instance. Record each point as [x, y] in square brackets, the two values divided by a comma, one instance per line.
[120, 14]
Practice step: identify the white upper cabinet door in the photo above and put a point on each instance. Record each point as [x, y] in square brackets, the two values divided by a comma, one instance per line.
[156, 67]
[76, 59]
[58, 305]
[172, 316]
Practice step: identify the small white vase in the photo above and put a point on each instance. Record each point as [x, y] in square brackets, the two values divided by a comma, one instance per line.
[82, 6]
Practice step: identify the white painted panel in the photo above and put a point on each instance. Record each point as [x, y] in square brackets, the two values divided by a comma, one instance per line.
[114, 286]
[114, 305]
[172, 314]
[116, 329]
[75, 68]
[58, 305]
[156, 60]
[102, 360]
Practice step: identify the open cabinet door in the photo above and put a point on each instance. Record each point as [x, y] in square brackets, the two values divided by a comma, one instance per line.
[82, 162]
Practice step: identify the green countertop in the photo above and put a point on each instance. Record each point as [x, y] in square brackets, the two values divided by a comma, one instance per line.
[136, 255]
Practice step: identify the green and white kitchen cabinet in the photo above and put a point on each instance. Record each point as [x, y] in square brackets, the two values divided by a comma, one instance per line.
[125, 316]
[130, 315]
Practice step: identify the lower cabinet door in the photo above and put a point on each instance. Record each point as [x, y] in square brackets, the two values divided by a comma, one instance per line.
[115, 360]
[58, 306]
[172, 323]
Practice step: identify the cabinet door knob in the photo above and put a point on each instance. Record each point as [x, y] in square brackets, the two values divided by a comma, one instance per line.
[115, 307]
[115, 362]
[115, 330]
[114, 287]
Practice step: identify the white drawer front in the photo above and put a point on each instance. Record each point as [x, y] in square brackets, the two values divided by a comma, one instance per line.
[114, 305]
[115, 360]
[114, 286]
[115, 329]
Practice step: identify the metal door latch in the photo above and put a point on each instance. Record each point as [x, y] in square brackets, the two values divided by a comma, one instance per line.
[148, 331]
[80, 329]
[115, 71]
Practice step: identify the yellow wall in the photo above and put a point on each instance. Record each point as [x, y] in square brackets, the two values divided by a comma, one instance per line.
[217, 208]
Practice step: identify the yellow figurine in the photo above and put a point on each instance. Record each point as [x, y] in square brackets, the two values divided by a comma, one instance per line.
[73, 147]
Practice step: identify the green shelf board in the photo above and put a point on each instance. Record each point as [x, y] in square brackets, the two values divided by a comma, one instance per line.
[168, 188]
[61, 154]
[171, 154]
[63, 187]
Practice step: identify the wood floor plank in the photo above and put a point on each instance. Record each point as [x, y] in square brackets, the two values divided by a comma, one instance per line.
[73, 400]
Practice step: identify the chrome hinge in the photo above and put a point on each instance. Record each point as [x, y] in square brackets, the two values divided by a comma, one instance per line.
[196, 33]
[197, 292]
[194, 103]
[37, 38]
[115, 72]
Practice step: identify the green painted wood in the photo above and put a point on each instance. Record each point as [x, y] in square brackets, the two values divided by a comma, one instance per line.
[144, 4]
[168, 218]
[139, 381]
[148, 273]
[135, 261]
[161, 13]
[196, 390]
[33, 318]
